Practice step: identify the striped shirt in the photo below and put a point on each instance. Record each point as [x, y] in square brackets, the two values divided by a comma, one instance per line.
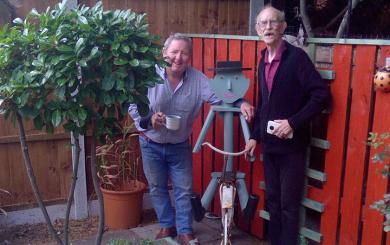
[185, 101]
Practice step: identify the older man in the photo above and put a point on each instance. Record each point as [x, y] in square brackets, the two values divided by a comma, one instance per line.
[166, 153]
[291, 94]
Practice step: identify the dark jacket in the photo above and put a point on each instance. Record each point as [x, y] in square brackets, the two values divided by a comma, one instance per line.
[298, 94]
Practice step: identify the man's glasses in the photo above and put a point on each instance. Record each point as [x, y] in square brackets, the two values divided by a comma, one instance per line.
[264, 23]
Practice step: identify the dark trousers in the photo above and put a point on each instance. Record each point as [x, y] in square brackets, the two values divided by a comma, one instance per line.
[284, 181]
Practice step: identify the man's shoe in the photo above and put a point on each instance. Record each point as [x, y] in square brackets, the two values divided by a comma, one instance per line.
[166, 232]
[187, 239]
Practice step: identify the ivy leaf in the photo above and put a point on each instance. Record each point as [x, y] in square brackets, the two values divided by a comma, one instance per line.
[73, 115]
[146, 63]
[22, 99]
[131, 80]
[60, 91]
[83, 63]
[115, 46]
[34, 73]
[38, 104]
[120, 84]
[79, 44]
[120, 61]
[108, 83]
[56, 118]
[66, 57]
[125, 49]
[82, 113]
[18, 21]
[134, 62]
[121, 72]
[143, 49]
[94, 52]
[37, 63]
[83, 20]
[65, 49]
[38, 122]
[107, 99]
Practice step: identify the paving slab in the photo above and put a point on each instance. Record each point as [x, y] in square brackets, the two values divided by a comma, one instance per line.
[208, 232]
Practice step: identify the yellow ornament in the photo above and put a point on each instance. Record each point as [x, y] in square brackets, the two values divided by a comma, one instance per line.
[382, 79]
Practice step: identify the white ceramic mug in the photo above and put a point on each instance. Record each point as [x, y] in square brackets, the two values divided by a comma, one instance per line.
[172, 122]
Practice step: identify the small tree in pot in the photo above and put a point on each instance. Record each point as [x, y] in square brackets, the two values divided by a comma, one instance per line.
[78, 69]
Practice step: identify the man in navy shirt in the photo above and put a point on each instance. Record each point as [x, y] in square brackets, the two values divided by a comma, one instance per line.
[291, 94]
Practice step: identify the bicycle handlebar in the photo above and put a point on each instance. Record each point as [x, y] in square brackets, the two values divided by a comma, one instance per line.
[224, 152]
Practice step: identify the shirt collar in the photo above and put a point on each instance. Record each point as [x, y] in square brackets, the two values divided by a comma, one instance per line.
[163, 73]
[278, 54]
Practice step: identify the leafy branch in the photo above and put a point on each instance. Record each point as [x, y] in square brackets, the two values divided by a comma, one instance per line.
[382, 156]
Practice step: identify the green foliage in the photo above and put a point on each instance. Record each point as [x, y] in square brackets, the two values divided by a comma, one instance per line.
[75, 67]
[378, 142]
[382, 156]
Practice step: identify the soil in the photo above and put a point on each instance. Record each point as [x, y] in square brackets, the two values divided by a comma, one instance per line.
[37, 234]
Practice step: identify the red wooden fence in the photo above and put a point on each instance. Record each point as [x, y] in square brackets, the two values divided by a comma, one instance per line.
[352, 182]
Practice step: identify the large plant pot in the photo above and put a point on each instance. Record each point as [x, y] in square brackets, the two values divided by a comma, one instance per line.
[122, 209]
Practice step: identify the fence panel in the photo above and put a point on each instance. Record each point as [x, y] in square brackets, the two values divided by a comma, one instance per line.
[376, 184]
[201, 16]
[51, 159]
[356, 150]
[352, 183]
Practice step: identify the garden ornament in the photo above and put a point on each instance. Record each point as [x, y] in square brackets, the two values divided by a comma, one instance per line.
[230, 85]
[382, 79]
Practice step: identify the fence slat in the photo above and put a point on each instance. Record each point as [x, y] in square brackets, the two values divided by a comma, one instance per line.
[376, 184]
[221, 55]
[334, 157]
[235, 55]
[257, 227]
[209, 60]
[356, 149]
[197, 157]
[248, 61]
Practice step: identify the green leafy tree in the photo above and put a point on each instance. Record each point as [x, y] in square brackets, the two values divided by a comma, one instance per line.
[382, 156]
[79, 69]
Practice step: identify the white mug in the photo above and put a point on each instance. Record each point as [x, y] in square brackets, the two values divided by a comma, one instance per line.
[172, 122]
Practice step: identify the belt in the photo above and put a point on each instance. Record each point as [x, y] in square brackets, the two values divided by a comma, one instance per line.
[143, 135]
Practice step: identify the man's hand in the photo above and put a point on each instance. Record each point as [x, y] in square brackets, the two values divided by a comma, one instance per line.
[158, 119]
[250, 148]
[283, 130]
[247, 110]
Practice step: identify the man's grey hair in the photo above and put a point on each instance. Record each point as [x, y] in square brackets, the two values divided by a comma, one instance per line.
[280, 13]
[177, 36]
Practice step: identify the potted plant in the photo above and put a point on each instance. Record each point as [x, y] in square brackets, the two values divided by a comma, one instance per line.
[118, 161]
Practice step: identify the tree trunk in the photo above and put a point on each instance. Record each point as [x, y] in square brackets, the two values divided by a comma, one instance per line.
[72, 188]
[344, 21]
[305, 18]
[31, 176]
[96, 186]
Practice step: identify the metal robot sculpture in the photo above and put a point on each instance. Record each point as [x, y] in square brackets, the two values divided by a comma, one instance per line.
[230, 85]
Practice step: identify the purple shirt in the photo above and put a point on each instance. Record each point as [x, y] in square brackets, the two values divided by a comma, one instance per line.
[271, 68]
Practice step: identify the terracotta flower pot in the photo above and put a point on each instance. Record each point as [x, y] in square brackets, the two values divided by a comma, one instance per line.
[122, 209]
